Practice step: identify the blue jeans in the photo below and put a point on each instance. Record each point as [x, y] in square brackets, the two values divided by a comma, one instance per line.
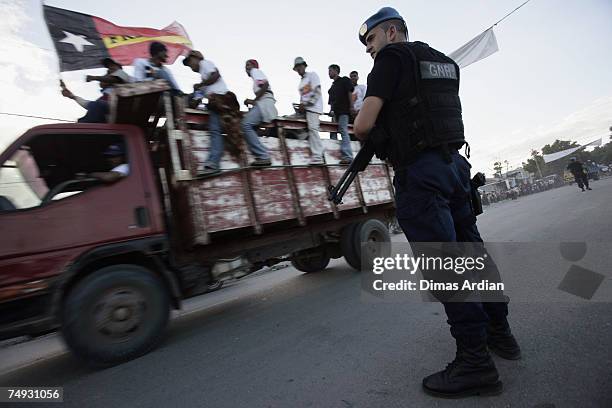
[433, 205]
[216, 141]
[248, 123]
[345, 146]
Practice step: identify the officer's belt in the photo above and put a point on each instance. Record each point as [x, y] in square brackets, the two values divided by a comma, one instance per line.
[442, 150]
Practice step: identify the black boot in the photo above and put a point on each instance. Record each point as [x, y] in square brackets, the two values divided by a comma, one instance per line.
[501, 341]
[471, 373]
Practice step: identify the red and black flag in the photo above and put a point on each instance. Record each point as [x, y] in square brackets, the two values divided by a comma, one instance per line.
[82, 41]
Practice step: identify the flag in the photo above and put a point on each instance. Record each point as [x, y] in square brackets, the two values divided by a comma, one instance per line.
[82, 41]
[558, 155]
[476, 49]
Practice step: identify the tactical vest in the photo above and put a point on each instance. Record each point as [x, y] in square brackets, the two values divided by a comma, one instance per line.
[431, 116]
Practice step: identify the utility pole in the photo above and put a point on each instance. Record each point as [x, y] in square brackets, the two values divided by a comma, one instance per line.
[535, 158]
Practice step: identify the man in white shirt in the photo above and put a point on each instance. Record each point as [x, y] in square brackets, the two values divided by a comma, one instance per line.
[358, 93]
[311, 102]
[212, 83]
[153, 68]
[262, 111]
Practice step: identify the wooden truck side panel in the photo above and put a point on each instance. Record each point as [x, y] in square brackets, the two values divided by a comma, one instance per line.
[289, 190]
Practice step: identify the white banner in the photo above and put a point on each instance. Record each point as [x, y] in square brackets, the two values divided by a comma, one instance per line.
[556, 156]
[476, 49]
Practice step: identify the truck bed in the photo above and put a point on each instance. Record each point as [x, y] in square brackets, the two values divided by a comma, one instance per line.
[243, 196]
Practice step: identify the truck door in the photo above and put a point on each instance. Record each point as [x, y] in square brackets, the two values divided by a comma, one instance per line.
[63, 191]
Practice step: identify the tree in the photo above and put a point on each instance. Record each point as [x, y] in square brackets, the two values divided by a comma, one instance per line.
[558, 145]
[555, 167]
[601, 154]
[535, 164]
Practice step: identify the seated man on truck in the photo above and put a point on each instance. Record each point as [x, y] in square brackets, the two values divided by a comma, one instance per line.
[155, 68]
[97, 111]
[119, 168]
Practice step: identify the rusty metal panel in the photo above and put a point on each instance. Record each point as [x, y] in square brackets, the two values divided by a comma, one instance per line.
[270, 186]
[272, 195]
[332, 157]
[311, 185]
[222, 202]
[222, 197]
[375, 185]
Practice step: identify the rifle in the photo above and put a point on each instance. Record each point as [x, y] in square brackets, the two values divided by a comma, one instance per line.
[359, 163]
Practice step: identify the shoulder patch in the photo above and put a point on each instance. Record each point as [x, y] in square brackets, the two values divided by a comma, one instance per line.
[438, 70]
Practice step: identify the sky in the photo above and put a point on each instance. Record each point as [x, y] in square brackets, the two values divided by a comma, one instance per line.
[551, 78]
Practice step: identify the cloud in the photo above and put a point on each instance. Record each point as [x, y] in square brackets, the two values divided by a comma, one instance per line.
[29, 77]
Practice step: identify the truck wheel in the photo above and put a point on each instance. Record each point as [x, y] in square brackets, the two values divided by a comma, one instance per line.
[349, 250]
[370, 231]
[115, 314]
[313, 260]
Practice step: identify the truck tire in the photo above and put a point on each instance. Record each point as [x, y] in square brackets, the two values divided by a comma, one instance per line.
[311, 260]
[347, 244]
[115, 314]
[372, 231]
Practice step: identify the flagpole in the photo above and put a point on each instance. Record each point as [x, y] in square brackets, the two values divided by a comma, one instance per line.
[59, 70]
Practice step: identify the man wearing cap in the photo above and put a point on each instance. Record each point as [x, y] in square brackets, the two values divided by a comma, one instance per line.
[311, 103]
[263, 111]
[212, 84]
[115, 156]
[114, 75]
[341, 101]
[412, 100]
[154, 68]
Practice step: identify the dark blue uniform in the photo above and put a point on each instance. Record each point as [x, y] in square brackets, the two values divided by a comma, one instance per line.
[421, 117]
[433, 205]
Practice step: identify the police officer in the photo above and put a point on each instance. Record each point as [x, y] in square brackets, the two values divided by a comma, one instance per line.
[577, 170]
[412, 95]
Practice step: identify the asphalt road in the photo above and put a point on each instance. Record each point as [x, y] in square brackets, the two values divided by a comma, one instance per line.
[286, 339]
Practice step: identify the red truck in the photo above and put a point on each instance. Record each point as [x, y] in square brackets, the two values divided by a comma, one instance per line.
[106, 261]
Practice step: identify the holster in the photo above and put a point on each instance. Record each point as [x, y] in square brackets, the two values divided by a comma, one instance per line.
[477, 181]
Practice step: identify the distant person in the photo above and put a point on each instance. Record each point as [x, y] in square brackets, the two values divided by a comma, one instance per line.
[577, 170]
[341, 101]
[359, 92]
[311, 104]
[263, 111]
[154, 68]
